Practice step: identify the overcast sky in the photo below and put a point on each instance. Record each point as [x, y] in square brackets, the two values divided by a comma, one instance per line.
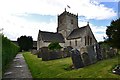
[27, 17]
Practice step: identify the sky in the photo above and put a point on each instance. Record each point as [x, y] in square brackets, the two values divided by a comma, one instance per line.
[27, 17]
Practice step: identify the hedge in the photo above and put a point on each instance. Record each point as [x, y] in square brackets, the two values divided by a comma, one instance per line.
[9, 51]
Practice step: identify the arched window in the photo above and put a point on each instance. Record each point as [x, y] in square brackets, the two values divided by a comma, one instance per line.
[75, 42]
[90, 41]
[70, 43]
[80, 39]
[85, 40]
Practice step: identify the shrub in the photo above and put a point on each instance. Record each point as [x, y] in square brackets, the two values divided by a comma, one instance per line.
[54, 46]
[9, 51]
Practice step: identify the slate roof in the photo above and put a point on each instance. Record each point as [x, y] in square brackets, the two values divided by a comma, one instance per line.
[51, 37]
[76, 33]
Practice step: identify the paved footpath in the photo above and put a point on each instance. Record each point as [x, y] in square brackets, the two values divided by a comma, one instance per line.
[18, 69]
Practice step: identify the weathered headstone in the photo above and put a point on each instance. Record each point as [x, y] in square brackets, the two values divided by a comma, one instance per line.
[111, 52]
[50, 54]
[76, 58]
[45, 54]
[107, 51]
[33, 51]
[65, 55]
[91, 53]
[55, 55]
[39, 54]
[86, 59]
[103, 52]
[83, 49]
[67, 51]
[98, 52]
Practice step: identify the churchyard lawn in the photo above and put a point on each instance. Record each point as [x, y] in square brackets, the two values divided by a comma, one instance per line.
[60, 68]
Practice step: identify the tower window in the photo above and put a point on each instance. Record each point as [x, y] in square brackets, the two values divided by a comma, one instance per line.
[71, 21]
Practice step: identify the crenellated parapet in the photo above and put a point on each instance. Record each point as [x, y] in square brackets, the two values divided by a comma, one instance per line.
[68, 13]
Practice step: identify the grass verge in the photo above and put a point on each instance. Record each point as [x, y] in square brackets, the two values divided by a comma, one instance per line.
[57, 68]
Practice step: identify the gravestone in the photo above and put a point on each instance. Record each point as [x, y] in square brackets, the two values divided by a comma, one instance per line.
[39, 54]
[103, 52]
[107, 51]
[86, 59]
[33, 51]
[83, 49]
[45, 54]
[98, 52]
[76, 58]
[67, 51]
[50, 54]
[111, 53]
[65, 55]
[91, 52]
[55, 55]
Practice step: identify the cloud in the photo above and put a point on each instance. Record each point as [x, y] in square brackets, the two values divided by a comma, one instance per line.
[108, 0]
[98, 31]
[15, 26]
[54, 7]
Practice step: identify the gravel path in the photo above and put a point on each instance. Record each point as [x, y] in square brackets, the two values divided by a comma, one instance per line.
[18, 68]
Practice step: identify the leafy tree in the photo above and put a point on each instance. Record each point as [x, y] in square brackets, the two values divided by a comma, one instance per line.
[54, 46]
[113, 33]
[25, 42]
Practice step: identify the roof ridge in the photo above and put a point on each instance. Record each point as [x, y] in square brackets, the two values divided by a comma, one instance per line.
[48, 32]
[83, 27]
[51, 36]
[76, 31]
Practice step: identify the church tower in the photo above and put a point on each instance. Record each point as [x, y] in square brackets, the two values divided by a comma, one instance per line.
[67, 22]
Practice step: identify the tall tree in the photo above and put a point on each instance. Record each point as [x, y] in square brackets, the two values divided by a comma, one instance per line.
[113, 33]
[25, 42]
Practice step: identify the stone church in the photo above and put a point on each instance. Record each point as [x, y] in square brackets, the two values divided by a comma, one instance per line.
[68, 33]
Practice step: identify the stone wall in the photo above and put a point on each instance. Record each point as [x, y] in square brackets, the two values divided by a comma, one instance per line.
[81, 40]
[72, 43]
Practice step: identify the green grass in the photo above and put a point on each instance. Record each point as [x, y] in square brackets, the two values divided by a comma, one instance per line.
[56, 68]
